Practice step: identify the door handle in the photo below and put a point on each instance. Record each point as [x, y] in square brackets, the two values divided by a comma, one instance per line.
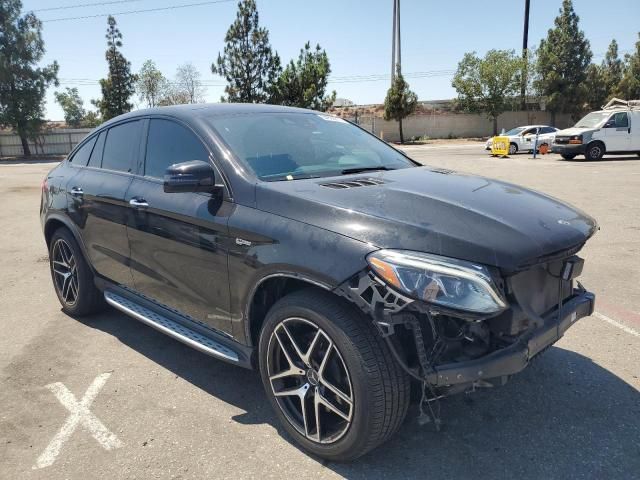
[76, 191]
[138, 203]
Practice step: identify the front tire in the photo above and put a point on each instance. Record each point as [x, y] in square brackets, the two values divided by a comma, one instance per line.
[568, 156]
[72, 277]
[513, 149]
[595, 151]
[330, 377]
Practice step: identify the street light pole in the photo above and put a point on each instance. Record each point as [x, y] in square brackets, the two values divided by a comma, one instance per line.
[525, 47]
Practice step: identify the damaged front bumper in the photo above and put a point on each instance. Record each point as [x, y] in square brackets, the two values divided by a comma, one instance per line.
[486, 350]
[514, 358]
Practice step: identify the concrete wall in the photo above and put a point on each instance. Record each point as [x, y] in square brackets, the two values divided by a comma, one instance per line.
[51, 142]
[448, 125]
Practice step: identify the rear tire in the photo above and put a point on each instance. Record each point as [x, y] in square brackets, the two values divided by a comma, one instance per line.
[72, 277]
[595, 151]
[374, 390]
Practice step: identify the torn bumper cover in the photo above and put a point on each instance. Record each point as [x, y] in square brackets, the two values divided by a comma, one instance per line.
[516, 357]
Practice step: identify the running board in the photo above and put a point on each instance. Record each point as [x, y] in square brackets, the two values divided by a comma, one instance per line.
[174, 329]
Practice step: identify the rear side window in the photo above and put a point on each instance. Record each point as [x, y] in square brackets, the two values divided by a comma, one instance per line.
[168, 143]
[122, 146]
[81, 157]
[547, 130]
[96, 155]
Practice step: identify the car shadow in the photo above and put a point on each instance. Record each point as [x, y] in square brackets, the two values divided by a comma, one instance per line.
[563, 417]
[605, 159]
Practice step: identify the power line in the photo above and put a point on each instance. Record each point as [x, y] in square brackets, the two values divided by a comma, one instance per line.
[146, 10]
[81, 5]
[337, 79]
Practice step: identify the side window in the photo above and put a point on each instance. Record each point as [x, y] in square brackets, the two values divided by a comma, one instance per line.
[122, 146]
[81, 157]
[168, 143]
[547, 130]
[96, 155]
[622, 120]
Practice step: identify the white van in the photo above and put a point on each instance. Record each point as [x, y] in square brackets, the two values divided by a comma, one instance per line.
[615, 130]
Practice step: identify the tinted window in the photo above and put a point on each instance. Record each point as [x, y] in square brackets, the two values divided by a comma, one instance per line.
[168, 143]
[81, 157]
[547, 130]
[290, 146]
[96, 155]
[121, 147]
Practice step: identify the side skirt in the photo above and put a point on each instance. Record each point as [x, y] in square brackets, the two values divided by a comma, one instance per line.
[179, 327]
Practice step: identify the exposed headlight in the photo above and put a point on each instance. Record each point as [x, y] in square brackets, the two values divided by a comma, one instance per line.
[439, 280]
[575, 139]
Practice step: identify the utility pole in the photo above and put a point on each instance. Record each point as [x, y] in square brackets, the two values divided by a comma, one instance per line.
[396, 47]
[393, 42]
[525, 48]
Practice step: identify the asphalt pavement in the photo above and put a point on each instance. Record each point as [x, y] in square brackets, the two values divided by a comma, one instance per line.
[108, 397]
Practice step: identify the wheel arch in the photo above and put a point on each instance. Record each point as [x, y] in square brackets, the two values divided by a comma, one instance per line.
[54, 222]
[267, 291]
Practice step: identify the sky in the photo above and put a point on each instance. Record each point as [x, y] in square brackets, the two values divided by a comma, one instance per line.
[355, 33]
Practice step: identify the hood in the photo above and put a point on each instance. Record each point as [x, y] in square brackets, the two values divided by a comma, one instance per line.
[435, 211]
[567, 132]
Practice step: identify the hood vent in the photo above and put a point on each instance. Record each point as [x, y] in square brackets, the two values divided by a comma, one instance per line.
[443, 171]
[358, 182]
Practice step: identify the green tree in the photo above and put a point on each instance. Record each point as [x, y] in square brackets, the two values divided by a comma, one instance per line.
[151, 84]
[563, 59]
[91, 119]
[488, 85]
[22, 83]
[303, 83]
[72, 106]
[119, 85]
[596, 92]
[400, 102]
[248, 63]
[630, 84]
[612, 69]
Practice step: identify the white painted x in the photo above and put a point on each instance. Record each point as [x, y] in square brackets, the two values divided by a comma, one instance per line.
[79, 415]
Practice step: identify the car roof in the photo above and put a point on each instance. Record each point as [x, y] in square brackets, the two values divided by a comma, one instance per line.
[187, 112]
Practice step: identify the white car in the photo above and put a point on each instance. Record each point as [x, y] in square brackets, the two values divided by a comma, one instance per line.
[522, 138]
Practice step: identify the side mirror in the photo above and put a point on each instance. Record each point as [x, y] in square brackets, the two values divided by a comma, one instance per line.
[193, 176]
[610, 124]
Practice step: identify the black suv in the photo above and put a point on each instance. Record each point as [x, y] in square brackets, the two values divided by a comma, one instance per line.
[296, 243]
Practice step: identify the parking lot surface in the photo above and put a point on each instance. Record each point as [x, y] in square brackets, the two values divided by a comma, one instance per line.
[108, 397]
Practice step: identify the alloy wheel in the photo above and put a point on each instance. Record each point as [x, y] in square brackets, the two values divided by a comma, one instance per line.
[310, 380]
[65, 272]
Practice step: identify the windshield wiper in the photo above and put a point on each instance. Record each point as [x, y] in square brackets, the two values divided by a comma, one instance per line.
[347, 171]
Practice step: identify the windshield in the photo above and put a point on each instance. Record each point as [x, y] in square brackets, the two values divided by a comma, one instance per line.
[291, 146]
[514, 131]
[593, 120]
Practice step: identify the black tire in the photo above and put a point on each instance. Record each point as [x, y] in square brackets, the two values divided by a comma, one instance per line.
[595, 151]
[513, 149]
[379, 388]
[568, 156]
[87, 298]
